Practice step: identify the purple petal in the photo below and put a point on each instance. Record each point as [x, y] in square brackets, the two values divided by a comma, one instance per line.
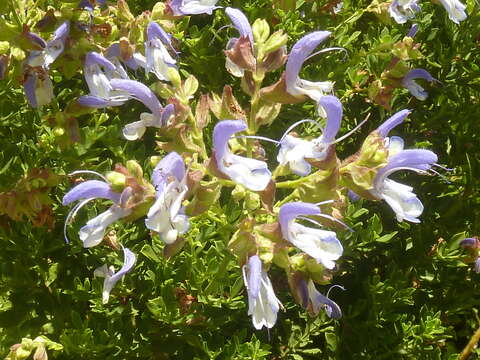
[392, 122]
[300, 51]
[418, 74]
[353, 196]
[29, 88]
[477, 265]
[413, 31]
[222, 133]
[91, 189]
[415, 159]
[113, 51]
[331, 308]
[128, 262]
[36, 39]
[255, 275]
[62, 32]
[167, 111]
[172, 164]
[240, 22]
[139, 92]
[93, 101]
[333, 108]
[155, 31]
[468, 242]
[302, 291]
[290, 211]
[93, 58]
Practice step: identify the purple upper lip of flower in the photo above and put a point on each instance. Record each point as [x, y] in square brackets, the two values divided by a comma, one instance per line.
[172, 164]
[290, 211]
[334, 111]
[392, 122]
[140, 92]
[155, 31]
[300, 51]
[222, 133]
[240, 22]
[91, 189]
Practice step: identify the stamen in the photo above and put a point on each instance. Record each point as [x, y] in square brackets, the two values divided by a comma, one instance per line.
[71, 215]
[215, 33]
[77, 172]
[326, 217]
[352, 131]
[335, 286]
[441, 176]
[256, 137]
[328, 50]
[443, 167]
[298, 123]
[244, 276]
[324, 202]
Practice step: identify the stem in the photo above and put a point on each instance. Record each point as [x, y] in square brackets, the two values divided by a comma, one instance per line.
[286, 199]
[197, 134]
[254, 106]
[470, 346]
[294, 183]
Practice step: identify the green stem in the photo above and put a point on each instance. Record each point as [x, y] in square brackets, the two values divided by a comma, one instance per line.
[294, 183]
[286, 199]
[197, 134]
[470, 346]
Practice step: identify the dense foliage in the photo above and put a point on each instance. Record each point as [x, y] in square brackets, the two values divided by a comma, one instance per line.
[411, 291]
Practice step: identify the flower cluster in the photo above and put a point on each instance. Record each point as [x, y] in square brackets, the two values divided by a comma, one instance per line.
[300, 233]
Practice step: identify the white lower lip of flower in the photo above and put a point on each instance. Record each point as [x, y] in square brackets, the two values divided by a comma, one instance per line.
[265, 306]
[159, 60]
[44, 91]
[233, 68]
[98, 83]
[92, 233]
[293, 152]
[416, 90]
[402, 200]
[395, 144]
[251, 173]
[322, 245]
[197, 6]
[164, 216]
[455, 9]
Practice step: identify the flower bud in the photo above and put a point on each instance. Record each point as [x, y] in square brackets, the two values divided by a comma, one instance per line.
[252, 201]
[116, 180]
[275, 42]
[261, 30]
[134, 169]
[174, 77]
[154, 160]
[238, 193]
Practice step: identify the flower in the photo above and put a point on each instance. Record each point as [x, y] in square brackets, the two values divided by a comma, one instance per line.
[51, 50]
[92, 233]
[263, 305]
[157, 118]
[294, 151]
[415, 89]
[400, 197]
[251, 173]
[322, 245]
[158, 58]
[134, 61]
[37, 85]
[238, 61]
[101, 92]
[111, 277]
[166, 214]
[192, 7]
[403, 10]
[299, 53]
[318, 301]
[455, 9]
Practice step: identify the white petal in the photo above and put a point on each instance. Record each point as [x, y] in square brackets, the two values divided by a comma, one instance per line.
[92, 233]
[402, 200]
[134, 131]
[251, 173]
[321, 245]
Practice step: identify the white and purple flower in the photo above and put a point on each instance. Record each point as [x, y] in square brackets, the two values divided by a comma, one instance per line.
[251, 173]
[263, 305]
[192, 7]
[159, 115]
[413, 87]
[299, 87]
[322, 245]
[99, 72]
[166, 216]
[93, 232]
[112, 277]
[403, 10]
[455, 9]
[157, 46]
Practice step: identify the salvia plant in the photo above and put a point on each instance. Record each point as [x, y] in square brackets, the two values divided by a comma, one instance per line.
[239, 180]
